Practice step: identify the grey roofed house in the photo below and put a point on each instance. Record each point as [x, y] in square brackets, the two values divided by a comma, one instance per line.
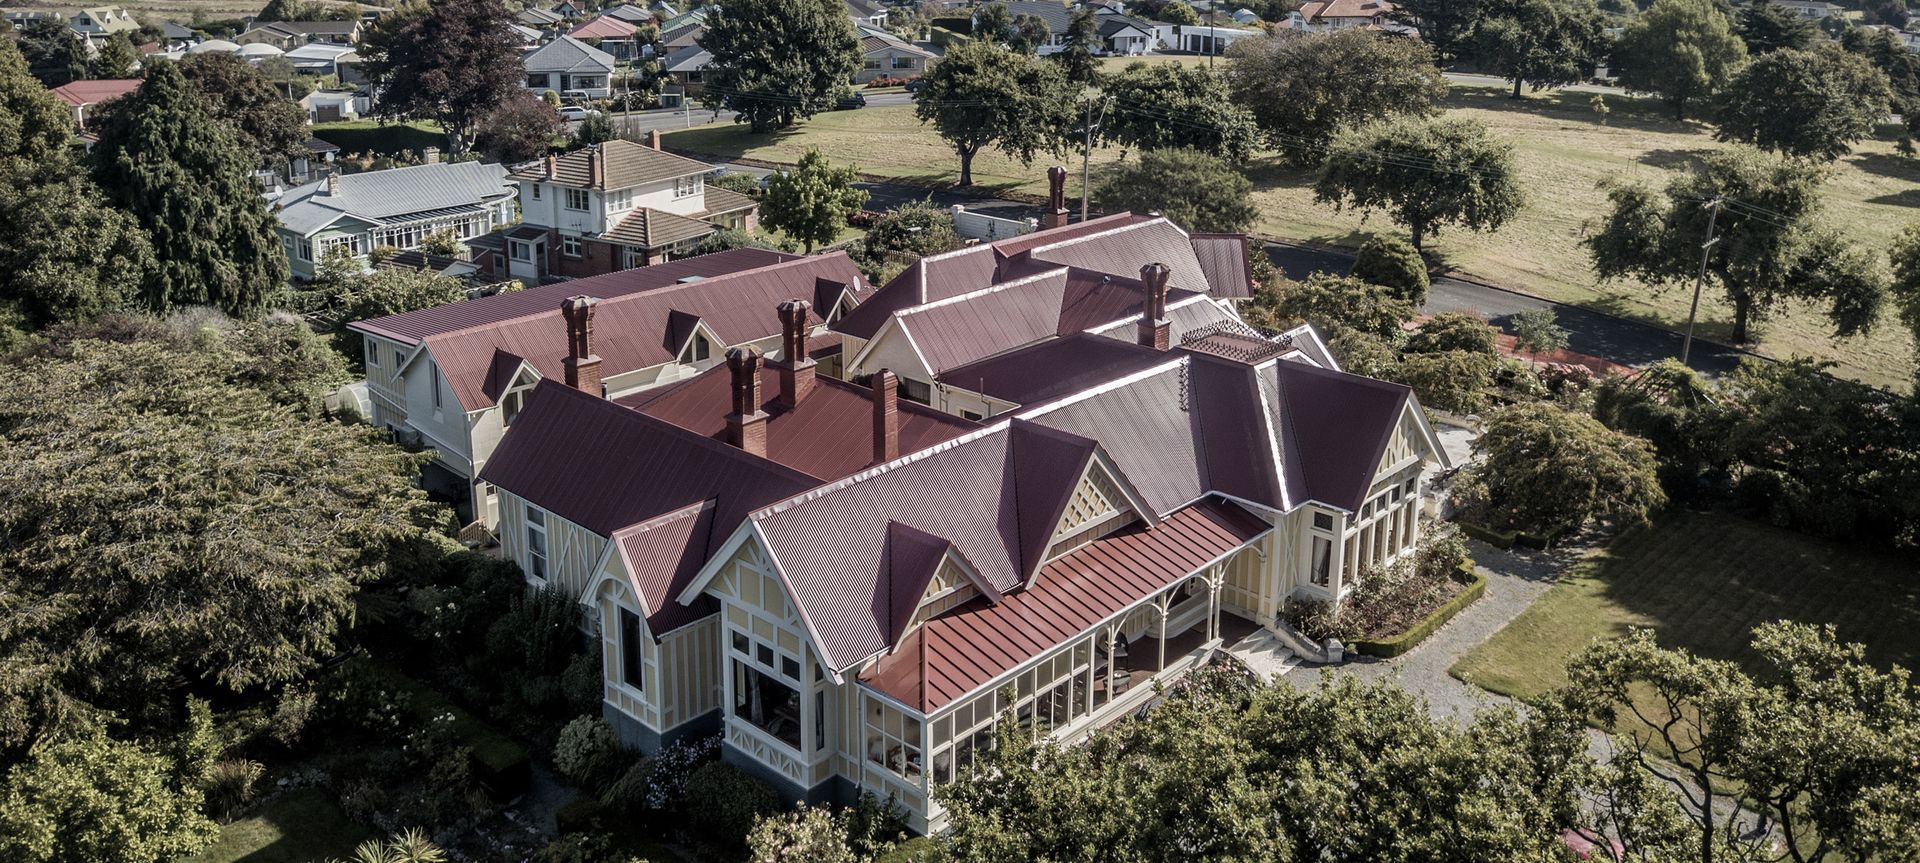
[568, 55]
[629, 13]
[687, 60]
[171, 30]
[392, 195]
[538, 18]
[685, 36]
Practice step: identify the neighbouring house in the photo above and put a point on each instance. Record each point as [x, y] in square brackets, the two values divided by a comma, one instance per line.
[569, 10]
[288, 35]
[614, 206]
[1202, 38]
[1813, 9]
[855, 589]
[884, 55]
[867, 12]
[540, 19]
[529, 37]
[99, 22]
[329, 106]
[569, 66]
[175, 37]
[397, 207]
[326, 58]
[697, 15]
[1322, 16]
[80, 96]
[685, 67]
[1246, 16]
[257, 52]
[611, 35]
[629, 13]
[1120, 34]
[214, 46]
[455, 378]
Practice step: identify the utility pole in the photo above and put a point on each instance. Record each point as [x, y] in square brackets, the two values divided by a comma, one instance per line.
[1086, 157]
[1706, 248]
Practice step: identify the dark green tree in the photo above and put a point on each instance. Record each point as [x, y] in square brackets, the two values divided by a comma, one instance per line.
[812, 202]
[728, 238]
[1454, 331]
[115, 58]
[187, 179]
[1083, 39]
[1683, 51]
[597, 128]
[1538, 331]
[1425, 174]
[1180, 12]
[54, 52]
[521, 127]
[1447, 25]
[1766, 26]
[1902, 67]
[291, 10]
[451, 62]
[37, 127]
[265, 121]
[992, 23]
[87, 798]
[1029, 32]
[1539, 43]
[1159, 106]
[1812, 104]
[1305, 89]
[982, 96]
[1545, 469]
[775, 61]
[1905, 256]
[1455, 381]
[1766, 234]
[1394, 264]
[1197, 191]
[1332, 302]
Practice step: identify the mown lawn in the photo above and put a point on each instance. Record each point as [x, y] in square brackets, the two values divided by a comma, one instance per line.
[1563, 150]
[1703, 581]
[373, 136]
[297, 827]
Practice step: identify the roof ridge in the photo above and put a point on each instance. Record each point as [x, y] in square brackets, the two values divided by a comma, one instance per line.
[1105, 232]
[977, 293]
[663, 519]
[865, 474]
[730, 452]
[1109, 386]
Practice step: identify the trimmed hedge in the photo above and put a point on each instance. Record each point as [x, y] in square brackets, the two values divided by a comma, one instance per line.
[1500, 539]
[1405, 641]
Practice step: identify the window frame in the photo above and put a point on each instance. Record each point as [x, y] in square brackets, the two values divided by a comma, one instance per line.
[535, 521]
[632, 650]
[570, 246]
[585, 199]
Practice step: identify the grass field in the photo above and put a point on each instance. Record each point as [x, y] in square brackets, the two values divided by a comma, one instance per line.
[1703, 581]
[1562, 150]
[297, 827]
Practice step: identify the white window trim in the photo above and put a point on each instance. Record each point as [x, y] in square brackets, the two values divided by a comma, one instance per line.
[546, 549]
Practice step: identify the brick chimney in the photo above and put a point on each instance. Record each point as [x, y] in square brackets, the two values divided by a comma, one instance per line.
[1153, 315]
[886, 416]
[582, 364]
[333, 184]
[553, 165]
[1056, 214]
[596, 168]
[653, 138]
[795, 366]
[747, 423]
[430, 155]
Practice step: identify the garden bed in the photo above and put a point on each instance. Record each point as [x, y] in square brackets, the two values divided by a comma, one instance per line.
[504, 765]
[1392, 610]
[1474, 586]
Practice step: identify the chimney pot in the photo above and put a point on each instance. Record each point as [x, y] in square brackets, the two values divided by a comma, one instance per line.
[747, 424]
[1056, 214]
[653, 138]
[430, 155]
[796, 367]
[582, 364]
[886, 416]
[1153, 313]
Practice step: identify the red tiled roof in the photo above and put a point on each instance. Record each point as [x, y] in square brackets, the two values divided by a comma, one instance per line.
[636, 330]
[1224, 258]
[828, 435]
[1053, 368]
[82, 93]
[603, 27]
[959, 652]
[411, 327]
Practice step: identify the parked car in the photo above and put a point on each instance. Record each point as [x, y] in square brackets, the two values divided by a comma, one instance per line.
[576, 113]
[576, 97]
[916, 85]
[847, 103]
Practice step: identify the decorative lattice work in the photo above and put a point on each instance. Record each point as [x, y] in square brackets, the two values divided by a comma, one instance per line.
[1096, 498]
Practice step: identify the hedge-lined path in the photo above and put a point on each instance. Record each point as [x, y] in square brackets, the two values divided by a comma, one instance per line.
[1514, 580]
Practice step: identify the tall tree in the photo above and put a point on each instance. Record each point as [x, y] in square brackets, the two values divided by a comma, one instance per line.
[115, 58]
[1304, 89]
[1905, 255]
[813, 201]
[266, 122]
[992, 23]
[1683, 51]
[34, 126]
[1447, 25]
[188, 181]
[981, 95]
[1155, 106]
[1539, 43]
[1766, 234]
[1198, 191]
[54, 52]
[1902, 67]
[1425, 174]
[521, 127]
[1029, 32]
[778, 60]
[1083, 39]
[1812, 104]
[291, 10]
[450, 61]
[87, 797]
[1767, 26]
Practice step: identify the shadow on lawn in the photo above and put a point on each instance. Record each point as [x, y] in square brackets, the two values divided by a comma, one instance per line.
[1887, 165]
[1673, 160]
[1625, 112]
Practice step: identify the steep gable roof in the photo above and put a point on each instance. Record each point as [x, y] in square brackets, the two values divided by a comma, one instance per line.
[567, 54]
[627, 164]
[603, 27]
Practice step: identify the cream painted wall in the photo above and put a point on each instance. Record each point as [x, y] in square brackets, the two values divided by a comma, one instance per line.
[573, 552]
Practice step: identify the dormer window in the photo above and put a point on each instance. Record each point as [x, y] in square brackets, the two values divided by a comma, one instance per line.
[697, 350]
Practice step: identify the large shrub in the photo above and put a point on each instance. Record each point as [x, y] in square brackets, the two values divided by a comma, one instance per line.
[1454, 331]
[918, 228]
[1394, 264]
[588, 753]
[722, 804]
[1545, 470]
[1455, 381]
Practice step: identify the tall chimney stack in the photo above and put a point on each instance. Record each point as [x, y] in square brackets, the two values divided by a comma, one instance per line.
[747, 424]
[596, 167]
[582, 364]
[553, 165]
[1056, 214]
[1153, 316]
[795, 366]
[653, 138]
[886, 416]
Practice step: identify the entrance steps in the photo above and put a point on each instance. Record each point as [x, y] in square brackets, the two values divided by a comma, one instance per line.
[1267, 655]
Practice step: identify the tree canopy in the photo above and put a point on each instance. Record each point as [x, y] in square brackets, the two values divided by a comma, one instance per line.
[1767, 240]
[1394, 264]
[1447, 25]
[1076, 58]
[1545, 469]
[812, 201]
[518, 129]
[266, 122]
[1767, 26]
[1197, 191]
[1425, 174]
[1304, 89]
[53, 51]
[1683, 51]
[1539, 43]
[450, 61]
[775, 61]
[87, 798]
[1812, 104]
[1905, 255]
[187, 179]
[982, 96]
[917, 227]
[1164, 105]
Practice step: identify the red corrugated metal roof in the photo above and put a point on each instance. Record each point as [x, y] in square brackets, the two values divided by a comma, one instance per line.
[1224, 259]
[1053, 368]
[1126, 248]
[828, 435]
[634, 331]
[411, 327]
[662, 556]
[959, 652]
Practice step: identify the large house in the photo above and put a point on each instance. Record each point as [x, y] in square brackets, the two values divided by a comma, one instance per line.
[398, 207]
[1120, 34]
[1323, 16]
[455, 378]
[612, 206]
[288, 35]
[854, 586]
[609, 34]
[884, 55]
[82, 95]
[570, 67]
[99, 22]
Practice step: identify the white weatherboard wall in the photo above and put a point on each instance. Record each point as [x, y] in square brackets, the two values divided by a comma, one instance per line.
[980, 226]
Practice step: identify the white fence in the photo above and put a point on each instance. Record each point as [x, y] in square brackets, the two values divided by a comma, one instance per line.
[980, 226]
